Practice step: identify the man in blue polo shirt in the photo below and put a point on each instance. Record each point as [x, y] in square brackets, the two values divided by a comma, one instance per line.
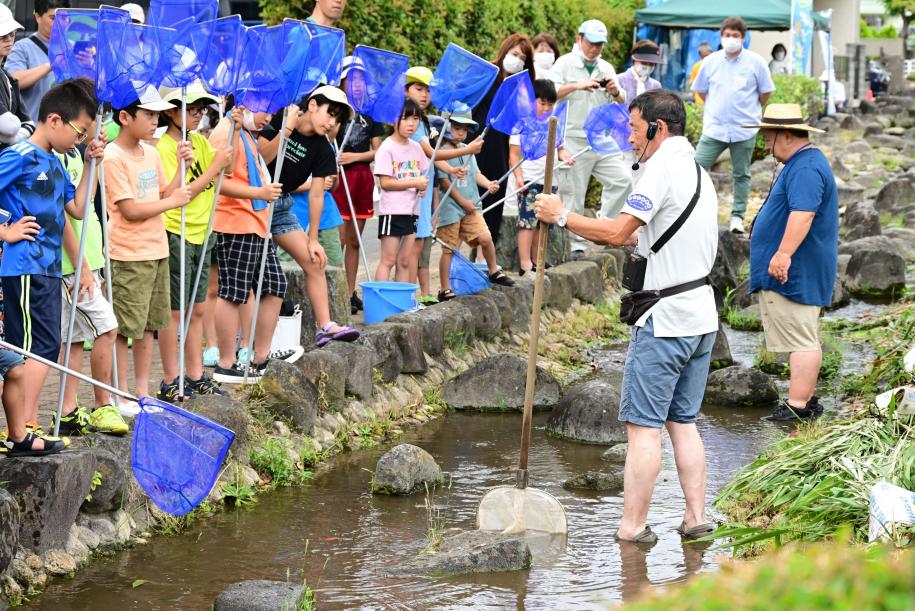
[794, 249]
[735, 84]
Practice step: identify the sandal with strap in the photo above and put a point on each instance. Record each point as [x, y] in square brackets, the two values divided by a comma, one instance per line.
[696, 532]
[446, 295]
[24, 447]
[345, 334]
[646, 537]
[501, 279]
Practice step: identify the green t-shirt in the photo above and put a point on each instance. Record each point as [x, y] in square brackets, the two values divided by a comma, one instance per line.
[95, 256]
[197, 215]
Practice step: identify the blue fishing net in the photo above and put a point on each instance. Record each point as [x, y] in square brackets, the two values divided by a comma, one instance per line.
[261, 84]
[176, 455]
[376, 83]
[513, 105]
[534, 134]
[460, 76]
[128, 61]
[607, 129]
[465, 277]
[73, 48]
[223, 62]
[184, 48]
[325, 57]
[167, 13]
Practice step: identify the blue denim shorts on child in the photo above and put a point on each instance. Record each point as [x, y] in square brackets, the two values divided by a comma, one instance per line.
[8, 360]
[664, 378]
[284, 221]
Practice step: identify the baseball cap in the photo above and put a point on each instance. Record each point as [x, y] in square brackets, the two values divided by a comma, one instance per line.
[136, 12]
[419, 74]
[351, 63]
[7, 23]
[151, 100]
[334, 94]
[594, 30]
[461, 114]
[195, 93]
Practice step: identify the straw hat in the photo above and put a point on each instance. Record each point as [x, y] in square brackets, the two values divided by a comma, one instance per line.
[784, 116]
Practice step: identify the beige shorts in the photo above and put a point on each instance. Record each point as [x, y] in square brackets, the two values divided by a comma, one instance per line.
[789, 326]
[94, 315]
[468, 230]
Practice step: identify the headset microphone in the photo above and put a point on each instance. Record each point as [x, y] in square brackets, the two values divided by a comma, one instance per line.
[652, 132]
[635, 166]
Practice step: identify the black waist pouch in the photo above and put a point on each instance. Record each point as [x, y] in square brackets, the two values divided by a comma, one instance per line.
[634, 305]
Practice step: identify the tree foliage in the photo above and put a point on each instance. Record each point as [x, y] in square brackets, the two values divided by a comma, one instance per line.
[422, 29]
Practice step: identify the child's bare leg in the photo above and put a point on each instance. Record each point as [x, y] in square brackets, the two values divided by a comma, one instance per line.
[388, 258]
[123, 351]
[407, 258]
[100, 365]
[142, 362]
[209, 309]
[486, 246]
[526, 249]
[246, 312]
[168, 348]
[444, 266]
[295, 243]
[266, 324]
[72, 385]
[33, 377]
[14, 403]
[193, 357]
[351, 252]
[228, 320]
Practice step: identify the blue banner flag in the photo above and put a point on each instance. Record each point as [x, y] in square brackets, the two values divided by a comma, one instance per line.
[460, 76]
[168, 13]
[73, 48]
[128, 60]
[607, 129]
[535, 131]
[513, 105]
[325, 57]
[376, 82]
[222, 64]
[801, 35]
[184, 48]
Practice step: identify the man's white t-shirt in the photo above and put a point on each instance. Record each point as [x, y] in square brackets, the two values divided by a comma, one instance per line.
[664, 189]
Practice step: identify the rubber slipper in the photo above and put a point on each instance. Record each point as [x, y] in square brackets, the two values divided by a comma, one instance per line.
[445, 295]
[646, 536]
[24, 448]
[696, 532]
[345, 334]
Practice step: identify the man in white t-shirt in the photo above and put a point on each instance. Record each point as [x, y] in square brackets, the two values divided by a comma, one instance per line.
[670, 350]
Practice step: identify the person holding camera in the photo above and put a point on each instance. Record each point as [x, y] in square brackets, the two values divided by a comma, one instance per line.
[587, 81]
[671, 306]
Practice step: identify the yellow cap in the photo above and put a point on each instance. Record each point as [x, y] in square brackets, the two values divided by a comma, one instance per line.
[419, 74]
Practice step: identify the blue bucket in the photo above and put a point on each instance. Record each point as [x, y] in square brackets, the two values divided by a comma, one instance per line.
[384, 299]
[467, 278]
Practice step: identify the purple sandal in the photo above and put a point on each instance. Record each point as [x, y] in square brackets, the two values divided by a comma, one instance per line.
[345, 334]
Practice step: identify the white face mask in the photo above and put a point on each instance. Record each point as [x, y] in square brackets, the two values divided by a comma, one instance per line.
[544, 60]
[732, 45]
[643, 70]
[512, 64]
[779, 56]
[248, 121]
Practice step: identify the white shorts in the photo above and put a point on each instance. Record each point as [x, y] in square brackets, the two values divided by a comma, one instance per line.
[94, 315]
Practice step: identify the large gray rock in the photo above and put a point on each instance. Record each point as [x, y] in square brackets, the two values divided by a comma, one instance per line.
[599, 481]
[589, 413]
[520, 300]
[9, 529]
[616, 453]
[904, 238]
[405, 469]
[472, 551]
[726, 269]
[410, 341]
[840, 295]
[111, 492]
[607, 263]
[260, 595]
[431, 326]
[739, 386]
[49, 491]
[131, 495]
[588, 279]
[896, 194]
[458, 324]
[337, 292]
[360, 360]
[487, 321]
[229, 413]
[504, 304]
[327, 371]
[888, 141]
[558, 245]
[721, 351]
[849, 192]
[861, 220]
[563, 286]
[876, 270]
[289, 394]
[497, 383]
[383, 341]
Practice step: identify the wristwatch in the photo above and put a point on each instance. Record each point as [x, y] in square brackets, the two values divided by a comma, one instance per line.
[563, 219]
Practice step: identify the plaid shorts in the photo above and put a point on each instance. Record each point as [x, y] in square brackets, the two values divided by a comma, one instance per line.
[238, 258]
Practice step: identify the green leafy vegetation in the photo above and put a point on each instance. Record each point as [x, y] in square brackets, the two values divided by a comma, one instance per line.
[888, 219]
[275, 460]
[887, 31]
[891, 336]
[456, 341]
[96, 482]
[736, 318]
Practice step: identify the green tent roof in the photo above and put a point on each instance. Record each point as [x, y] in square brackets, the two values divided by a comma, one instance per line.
[759, 14]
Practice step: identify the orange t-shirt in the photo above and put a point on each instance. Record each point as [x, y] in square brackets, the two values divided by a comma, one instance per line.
[136, 176]
[237, 216]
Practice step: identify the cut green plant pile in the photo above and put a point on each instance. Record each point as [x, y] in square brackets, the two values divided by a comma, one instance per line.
[808, 486]
[891, 336]
[823, 577]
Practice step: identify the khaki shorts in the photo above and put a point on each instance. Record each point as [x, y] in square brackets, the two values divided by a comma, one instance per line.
[141, 296]
[789, 326]
[94, 315]
[468, 230]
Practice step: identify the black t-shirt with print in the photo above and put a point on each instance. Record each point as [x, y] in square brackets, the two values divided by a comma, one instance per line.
[360, 139]
[306, 157]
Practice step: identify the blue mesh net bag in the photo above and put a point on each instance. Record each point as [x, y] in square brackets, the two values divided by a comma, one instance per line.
[513, 105]
[176, 455]
[460, 76]
[607, 129]
[73, 48]
[222, 64]
[325, 57]
[534, 134]
[376, 82]
[465, 277]
[167, 13]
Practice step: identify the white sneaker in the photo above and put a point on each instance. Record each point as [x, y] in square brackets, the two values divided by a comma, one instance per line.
[290, 355]
[127, 407]
[736, 224]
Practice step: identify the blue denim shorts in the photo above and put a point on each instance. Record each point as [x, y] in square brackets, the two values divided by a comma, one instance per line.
[664, 378]
[8, 360]
[284, 221]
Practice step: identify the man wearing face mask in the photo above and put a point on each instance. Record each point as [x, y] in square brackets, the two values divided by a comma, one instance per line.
[585, 80]
[637, 79]
[735, 84]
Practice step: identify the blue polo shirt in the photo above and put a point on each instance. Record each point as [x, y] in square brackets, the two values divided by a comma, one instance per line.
[805, 184]
[33, 182]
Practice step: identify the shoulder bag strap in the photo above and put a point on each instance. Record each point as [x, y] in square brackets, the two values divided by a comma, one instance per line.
[675, 227]
[39, 43]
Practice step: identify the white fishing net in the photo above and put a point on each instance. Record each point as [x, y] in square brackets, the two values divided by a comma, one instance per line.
[509, 509]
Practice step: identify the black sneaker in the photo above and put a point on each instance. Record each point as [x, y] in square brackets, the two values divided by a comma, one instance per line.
[501, 279]
[74, 424]
[204, 386]
[170, 392]
[785, 413]
[815, 406]
[355, 304]
[236, 374]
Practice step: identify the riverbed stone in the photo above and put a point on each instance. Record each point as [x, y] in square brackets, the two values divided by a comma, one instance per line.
[327, 371]
[76, 548]
[289, 394]
[504, 305]
[721, 351]
[739, 386]
[410, 341]
[487, 322]
[875, 269]
[337, 293]
[111, 491]
[589, 281]
[616, 453]
[861, 220]
[896, 193]
[382, 340]
[59, 563]
[520, 298]
[431, 326]
[359, 360]
[229, 413]
[598, 481]
[49, 491]
[606, 261]
[472, 551]
[405, 469]
[260, 595]
[497, 383]
[726, 269]
[563, 286]
[588, 413]
[9, 528]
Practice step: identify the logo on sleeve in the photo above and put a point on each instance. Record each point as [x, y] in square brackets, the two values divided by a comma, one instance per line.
[639, 202]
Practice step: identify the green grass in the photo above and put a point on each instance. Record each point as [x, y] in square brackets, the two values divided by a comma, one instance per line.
[888, 219]
[239, 495]
[276, 461]
[457, 342]
[737, 319]
[891, 336]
